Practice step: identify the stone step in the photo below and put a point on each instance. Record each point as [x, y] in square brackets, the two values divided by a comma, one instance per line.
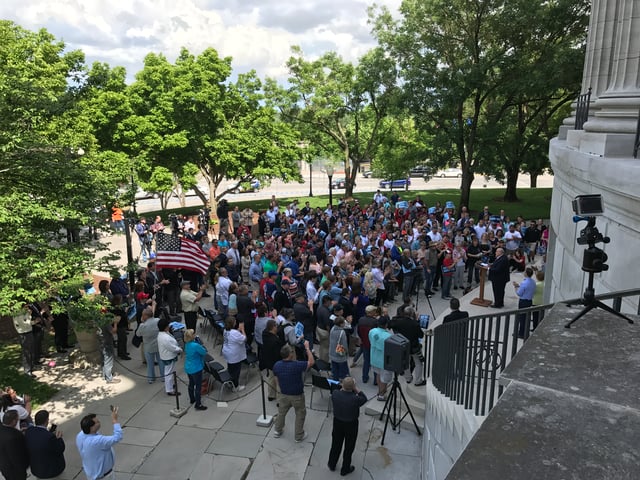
[374, 408]
[419, 394]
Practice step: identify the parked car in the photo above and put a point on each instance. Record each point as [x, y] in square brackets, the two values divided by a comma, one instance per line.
[421, 171]
[339, 183]
[400, 183]
[367, 173]
[449, 172]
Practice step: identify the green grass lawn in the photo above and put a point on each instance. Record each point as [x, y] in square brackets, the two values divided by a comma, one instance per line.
[11, 375]
[534, 202]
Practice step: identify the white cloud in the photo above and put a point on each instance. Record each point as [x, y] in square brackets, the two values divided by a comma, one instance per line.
[257, 34]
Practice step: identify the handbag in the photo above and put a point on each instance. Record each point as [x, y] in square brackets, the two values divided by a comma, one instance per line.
[340, 350]
[136, 341]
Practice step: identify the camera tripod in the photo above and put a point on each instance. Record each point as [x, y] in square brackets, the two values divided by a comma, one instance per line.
[392, 403]
[590, 302]
[593, 261]
[417, 285]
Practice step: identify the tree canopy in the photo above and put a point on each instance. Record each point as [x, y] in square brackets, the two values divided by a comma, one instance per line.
[469, 66]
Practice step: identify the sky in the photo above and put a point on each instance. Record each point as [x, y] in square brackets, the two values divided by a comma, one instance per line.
[257, 34]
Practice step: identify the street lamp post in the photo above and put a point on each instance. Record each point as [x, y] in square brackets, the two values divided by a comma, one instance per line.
[134, 191]
[310, 179]
[329, 170]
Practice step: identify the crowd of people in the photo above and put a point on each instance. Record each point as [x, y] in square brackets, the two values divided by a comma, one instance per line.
[302, 287]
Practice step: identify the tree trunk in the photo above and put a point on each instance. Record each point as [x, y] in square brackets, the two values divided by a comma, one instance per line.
[533, 180]
[510, 194]
[201, 195]
[465, 188]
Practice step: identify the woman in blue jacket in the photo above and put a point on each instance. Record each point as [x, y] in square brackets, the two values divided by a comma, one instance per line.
[193, 365]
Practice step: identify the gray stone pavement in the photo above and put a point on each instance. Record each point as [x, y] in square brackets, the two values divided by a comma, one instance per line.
[224, 442]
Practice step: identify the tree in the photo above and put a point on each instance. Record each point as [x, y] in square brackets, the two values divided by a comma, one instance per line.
[340, 106]
[188, 119]
[47, 188]
[401, 148]
[465, 63]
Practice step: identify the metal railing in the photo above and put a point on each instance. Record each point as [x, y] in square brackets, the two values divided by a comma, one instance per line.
[636, 143]
[465, 358]
[582, 109]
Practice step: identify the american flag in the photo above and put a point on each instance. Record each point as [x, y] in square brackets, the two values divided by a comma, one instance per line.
[176, 252]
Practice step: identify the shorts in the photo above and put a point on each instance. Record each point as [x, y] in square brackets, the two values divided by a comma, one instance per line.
[384, 376]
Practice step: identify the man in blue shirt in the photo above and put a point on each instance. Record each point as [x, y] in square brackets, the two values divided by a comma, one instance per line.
[96, 450]
[525, 292]
[288, 373]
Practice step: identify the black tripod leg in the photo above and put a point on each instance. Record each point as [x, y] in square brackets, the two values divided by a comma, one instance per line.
[415, 424]
[387, 404]
[387, 408]
[606, 307]
[584, 311]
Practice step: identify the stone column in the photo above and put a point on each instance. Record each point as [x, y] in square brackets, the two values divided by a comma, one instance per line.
[617, 107]
[598, 56]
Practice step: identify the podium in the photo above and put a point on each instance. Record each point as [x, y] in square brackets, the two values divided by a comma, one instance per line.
[481, 301]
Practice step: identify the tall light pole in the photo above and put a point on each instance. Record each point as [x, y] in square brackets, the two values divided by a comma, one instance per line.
[310, 179]
[134, 191]
[329, 170]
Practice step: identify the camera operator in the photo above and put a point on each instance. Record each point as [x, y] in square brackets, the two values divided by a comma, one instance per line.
[406, 323]
[223, 216]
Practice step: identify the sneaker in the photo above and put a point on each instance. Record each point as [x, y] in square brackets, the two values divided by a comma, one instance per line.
[304, 437]
[200, 407]
[277, 434]
[421, 384]
[380, 398]
[240, 388]
[114, 380]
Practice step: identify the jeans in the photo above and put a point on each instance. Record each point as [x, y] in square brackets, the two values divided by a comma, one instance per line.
[285, 402]
[428, 279]
[366, 354]
[339, 370]
[195, 387]
[26, 342]
[446, 286]
[107, 362]
[521, 318]
[152, 358]
[458, 278]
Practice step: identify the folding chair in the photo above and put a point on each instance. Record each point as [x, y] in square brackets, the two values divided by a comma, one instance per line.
[318, 381]
[251, 361]
[208, 371]
[221, 375]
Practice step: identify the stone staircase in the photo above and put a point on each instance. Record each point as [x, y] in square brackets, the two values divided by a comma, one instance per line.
[416, 398]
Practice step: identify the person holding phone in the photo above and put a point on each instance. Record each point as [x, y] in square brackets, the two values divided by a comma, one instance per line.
[96, 450]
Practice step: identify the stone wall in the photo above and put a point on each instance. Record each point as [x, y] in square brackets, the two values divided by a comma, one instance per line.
[448, 430]
[617, 179]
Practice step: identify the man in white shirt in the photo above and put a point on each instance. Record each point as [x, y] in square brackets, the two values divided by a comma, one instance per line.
[168, 349]
[434, 235]
[512, 239]
[222, 292]
[480, 229]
